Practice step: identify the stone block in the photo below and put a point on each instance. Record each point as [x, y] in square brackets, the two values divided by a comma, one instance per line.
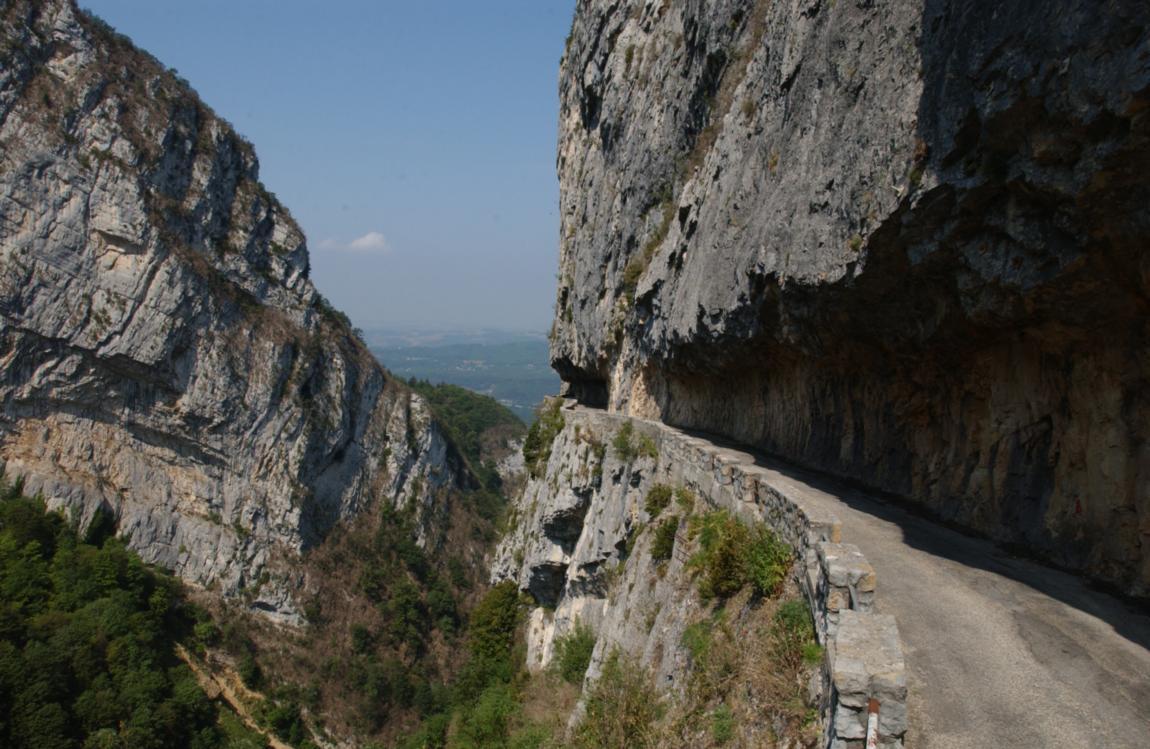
[837, 599]
[846, 567]
[892, 718]
[866, 661]
[850, 678]
[849, 723]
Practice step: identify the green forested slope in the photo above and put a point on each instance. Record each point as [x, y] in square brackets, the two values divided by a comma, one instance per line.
[86, 642]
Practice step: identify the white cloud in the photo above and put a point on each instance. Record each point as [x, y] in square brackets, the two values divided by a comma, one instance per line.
[372, 242]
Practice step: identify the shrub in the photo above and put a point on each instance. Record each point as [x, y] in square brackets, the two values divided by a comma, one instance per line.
[685, 498]
[573, 653]
[658, 498]
[795, 631]
[624, 449]
[249, 671]
[722, 724]
[647, 447]
[486, 723]
[532, 737]
[697, 639]
[441, 606]
[720, 559]
[285, 720]
[664, 544]
[432, 734]
[206, 632]
[767, 561]
[621, 708]
[493, 621]
[406, 614]
[733, 554]
[540, 437]
[360, 639]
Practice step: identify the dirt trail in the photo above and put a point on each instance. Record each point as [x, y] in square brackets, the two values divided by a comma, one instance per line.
[229, 687]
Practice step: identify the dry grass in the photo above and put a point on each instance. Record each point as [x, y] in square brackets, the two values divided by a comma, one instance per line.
[547, 701]
[622, 709]
[748, 681]
[751, 659]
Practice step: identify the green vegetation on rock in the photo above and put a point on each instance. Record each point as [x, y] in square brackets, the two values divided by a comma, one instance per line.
[467, 416]
[479, 426]
[624, 448]
[658, 497]
[573, 653]
[485, 705]
[733, 554]
[629, 445]
[663, 546]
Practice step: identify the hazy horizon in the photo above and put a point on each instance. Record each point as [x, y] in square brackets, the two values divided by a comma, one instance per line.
[414, 144]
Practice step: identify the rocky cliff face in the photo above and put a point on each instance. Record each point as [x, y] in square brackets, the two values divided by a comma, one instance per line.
[901, 242]
[572, 547]
[163, 355]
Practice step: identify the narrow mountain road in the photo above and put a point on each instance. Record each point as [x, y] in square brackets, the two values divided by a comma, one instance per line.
[1000, 651]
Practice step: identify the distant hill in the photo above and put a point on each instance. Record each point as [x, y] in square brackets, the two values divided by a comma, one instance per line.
[401, 336]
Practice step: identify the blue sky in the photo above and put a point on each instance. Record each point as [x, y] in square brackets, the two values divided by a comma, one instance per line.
[413, 141]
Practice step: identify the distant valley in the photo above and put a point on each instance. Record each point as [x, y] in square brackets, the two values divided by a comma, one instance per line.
[511, 367]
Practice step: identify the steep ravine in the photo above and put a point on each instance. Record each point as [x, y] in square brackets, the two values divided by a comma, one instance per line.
[898, 242]
[164, 359]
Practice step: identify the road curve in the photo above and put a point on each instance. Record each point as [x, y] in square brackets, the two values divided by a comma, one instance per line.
[1000, 651]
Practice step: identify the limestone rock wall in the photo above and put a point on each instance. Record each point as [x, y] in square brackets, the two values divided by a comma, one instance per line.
[902, 242]
[163, 355]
